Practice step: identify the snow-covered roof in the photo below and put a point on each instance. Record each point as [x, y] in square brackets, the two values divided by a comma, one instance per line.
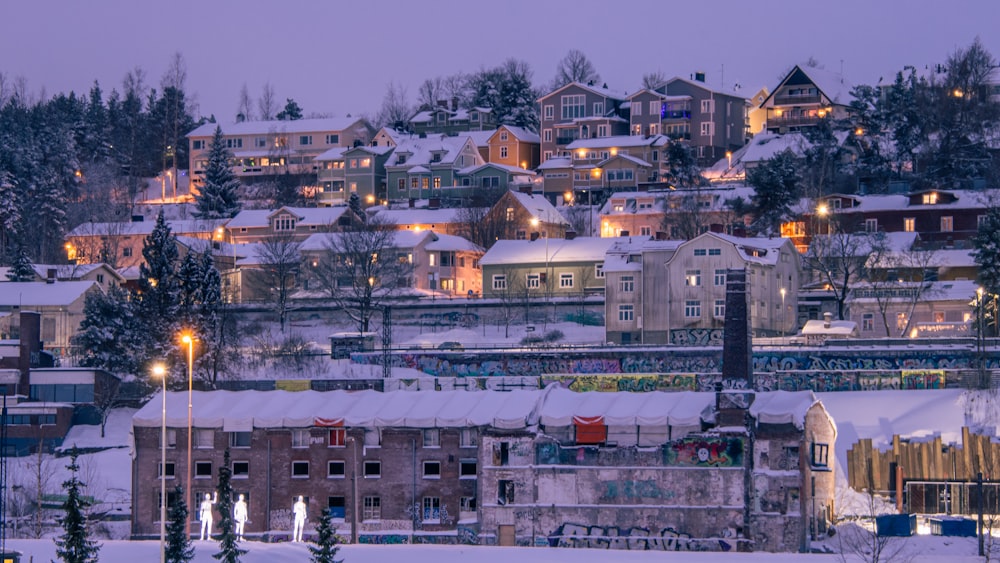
[502, 167]
[617, 257]
[553, 251]
[835, 328]
[70, 271]
[961, 291]
[242, 411]
[627, 158]
[320, 242]
[338, 153]
[701, 85]
[277, 126]
[43, 294]
[744, 245]
[833, 85]
[145, 227]
[623, 141]
[556, 163]
[419, 216]
[319, 216]
[452, 243]
[599, 90]
[539, 207]
[519, 133]
[783, 407]
[421, 151]
[479, 138]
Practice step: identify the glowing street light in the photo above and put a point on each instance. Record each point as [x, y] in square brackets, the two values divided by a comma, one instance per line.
[188, 339]
[161, 372]
[782, 291]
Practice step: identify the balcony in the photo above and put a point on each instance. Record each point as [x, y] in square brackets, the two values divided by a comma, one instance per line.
[775, 122]
[677, 136]
[796, 100]
[565, 140]
[675, 115]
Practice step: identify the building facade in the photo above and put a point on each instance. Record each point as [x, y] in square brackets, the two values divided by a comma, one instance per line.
[545, 468]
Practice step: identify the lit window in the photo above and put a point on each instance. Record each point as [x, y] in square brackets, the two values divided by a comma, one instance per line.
[692, 278]
[909, 224]
[947, 224]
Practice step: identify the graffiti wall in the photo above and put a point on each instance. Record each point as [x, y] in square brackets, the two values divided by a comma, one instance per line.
[708, 451]
[696, 337]
[634, 538]
[666, 369]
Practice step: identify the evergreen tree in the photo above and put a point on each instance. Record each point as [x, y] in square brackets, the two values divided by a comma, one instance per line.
[291, 112]
[682, 167]
[179, 545]
[326, 541]
[229, 551]
[159, 290]
[189, 284]
[10, 210]
[987, 250]
[775, 182]
[354, 204]
[218, 197]
[75, 545]
[20, 267]
[508, 91]
[110, 337]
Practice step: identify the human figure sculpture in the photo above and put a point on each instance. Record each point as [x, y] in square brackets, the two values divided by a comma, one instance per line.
[299, 510]
[240, 516]
[205, 515]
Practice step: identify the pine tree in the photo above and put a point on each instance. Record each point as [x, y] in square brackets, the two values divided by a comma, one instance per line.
[291, 112]
[189, 284]
[20, 267]
[109, 336]
[218, 198]
[179, 546]
[159, 291]
[229, 551]
[326, 541]
[987, 250]
[354, 204]
[775, 182]
[75, 545]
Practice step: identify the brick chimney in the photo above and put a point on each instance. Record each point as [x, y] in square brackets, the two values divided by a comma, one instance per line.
[737, 352]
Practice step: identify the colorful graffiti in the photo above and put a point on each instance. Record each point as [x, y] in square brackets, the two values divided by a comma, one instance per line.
[705, 452]
[696, 337]
[614, 537]
[383, 539]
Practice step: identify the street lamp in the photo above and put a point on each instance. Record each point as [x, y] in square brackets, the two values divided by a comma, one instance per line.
[188, 339]
[354, 487]
[535, 222]
[980, 347]
[729, 159]
[161, 372]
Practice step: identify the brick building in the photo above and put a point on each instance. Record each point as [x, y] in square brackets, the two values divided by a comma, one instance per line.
[550, 467]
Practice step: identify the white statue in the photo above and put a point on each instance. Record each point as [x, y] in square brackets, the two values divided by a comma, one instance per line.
[240, 516]
[205, 515]
[299, 510]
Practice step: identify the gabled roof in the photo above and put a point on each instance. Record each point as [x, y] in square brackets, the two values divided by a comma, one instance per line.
[419, 216]
[539, 207]
[452, 243]
[627, 158]
[71, 271]
[745, 245]
[698, 84]
[421, 151]
[339, 153]
[519, 133]
[479, 138]
[496, 165]
[832, 85]
[145, 227]
[43, 294]
[553, 251]
[600, 91]
[278, 126]
[319, 216]
[555, 163]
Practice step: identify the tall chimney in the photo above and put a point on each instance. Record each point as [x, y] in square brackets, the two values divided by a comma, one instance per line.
[30, 340]
[737, 352]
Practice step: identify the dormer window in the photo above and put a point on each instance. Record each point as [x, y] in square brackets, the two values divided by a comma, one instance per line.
[436, 157]
[283, 222]
[930, 199]
[401, 159]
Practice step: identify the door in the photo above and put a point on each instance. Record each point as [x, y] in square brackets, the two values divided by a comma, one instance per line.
[506, 535]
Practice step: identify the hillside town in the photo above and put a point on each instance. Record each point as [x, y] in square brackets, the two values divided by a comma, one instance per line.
[654, 318]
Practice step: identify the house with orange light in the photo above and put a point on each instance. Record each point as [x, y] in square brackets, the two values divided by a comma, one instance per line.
[805, 96]
[514, 146]
[119, 244]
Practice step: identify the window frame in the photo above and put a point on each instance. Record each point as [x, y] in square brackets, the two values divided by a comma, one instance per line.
[331, 464]
[296, 469]
[428, 469]
[372, 464]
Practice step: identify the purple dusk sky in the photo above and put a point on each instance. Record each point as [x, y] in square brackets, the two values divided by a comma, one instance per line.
[337, 57]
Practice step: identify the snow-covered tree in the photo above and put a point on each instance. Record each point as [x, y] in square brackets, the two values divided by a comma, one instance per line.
[279, 266]
[109, 337]
[20, 267]
[508, 90]
[291, 112]
[179, 546]
[229, 550]
[575, 67]
[75, 544]
[682, 167]
[776, 189]
[159, 291]
[218, 198]
[10, 211]
[327, 545]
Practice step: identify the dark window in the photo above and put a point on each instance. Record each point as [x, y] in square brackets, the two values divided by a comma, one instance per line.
[432, 469]
[373, 469]
[241, 469]
[170, 469]
[819, 455]
[239, 439]
[335, 469]
[300, 469]
[505, 492]
[467, 468]
[203, 470]
[336, 507]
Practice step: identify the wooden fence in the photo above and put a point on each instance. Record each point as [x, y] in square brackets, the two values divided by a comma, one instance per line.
[928, 459]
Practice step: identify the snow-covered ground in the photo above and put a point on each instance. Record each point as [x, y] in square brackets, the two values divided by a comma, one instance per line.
[922, 548]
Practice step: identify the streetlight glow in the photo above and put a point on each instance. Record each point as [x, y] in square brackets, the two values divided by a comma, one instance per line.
[188, 339]
[161, 372]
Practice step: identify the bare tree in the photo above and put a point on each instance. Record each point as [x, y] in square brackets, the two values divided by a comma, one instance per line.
[840, 259]
[107, 397]
[244, 112]
[651, 80]
[395, 106]
[896, 279]
[579, 220]
[267, 103]
[683, 214]
[430, 91]
[361, 268]
[511, 295]
[861, 541]
[279, 265]
[575, 67]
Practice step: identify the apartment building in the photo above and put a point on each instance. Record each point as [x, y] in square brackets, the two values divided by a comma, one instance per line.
[715, 120]
[552, 468]
[804, 96]
[674, 292]
[262, 148]
[580, 111]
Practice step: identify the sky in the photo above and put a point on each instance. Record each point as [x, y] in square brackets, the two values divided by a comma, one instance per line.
[336, 58]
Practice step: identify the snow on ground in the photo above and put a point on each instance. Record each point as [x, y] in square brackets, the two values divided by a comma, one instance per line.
[929, 548]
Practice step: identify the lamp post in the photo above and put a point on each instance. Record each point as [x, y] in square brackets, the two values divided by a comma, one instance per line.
[354, 488]
[188, 339]
[161, 372]
[782, 291]
[980, 348]
[535, 222]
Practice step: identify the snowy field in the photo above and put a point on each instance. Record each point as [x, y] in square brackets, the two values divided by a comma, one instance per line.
[922, 548]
